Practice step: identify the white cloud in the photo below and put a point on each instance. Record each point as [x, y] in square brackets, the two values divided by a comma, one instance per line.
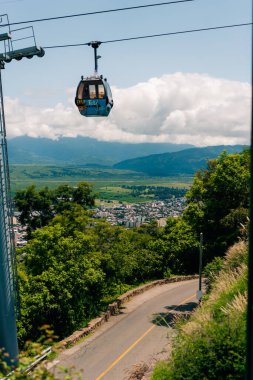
[179, 108]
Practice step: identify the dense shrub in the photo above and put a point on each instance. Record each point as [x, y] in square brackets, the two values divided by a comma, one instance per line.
[211, 272]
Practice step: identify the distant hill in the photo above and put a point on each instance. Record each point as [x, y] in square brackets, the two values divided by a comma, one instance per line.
[184, 162]
[80, 150]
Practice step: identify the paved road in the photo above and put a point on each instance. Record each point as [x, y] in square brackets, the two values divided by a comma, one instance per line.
[138, 334]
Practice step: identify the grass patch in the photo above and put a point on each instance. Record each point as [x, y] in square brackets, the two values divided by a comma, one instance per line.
[212, 344]
[161, 371]
[84, 338]
[108, 183]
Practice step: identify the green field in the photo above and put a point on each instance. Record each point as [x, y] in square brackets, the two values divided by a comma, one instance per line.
[107, 183]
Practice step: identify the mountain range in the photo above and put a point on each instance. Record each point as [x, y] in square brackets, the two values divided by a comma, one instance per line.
[152, 159]
[80, 151]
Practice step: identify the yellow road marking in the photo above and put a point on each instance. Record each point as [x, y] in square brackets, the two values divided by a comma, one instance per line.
[134, 344]
[124, 353]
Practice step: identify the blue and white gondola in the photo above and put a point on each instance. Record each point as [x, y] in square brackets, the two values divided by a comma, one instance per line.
[93, 94]
[94, 97]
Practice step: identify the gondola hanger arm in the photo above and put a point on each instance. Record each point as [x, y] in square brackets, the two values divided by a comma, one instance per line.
[95, 45]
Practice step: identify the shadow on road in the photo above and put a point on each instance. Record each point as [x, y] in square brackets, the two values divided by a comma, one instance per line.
[189, 306]
[168, 319]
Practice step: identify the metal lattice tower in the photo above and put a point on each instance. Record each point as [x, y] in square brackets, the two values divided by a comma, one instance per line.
[8, 278]
[8, 272]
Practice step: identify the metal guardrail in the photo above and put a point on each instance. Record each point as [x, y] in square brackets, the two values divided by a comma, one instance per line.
[30, 367]
[39, 359]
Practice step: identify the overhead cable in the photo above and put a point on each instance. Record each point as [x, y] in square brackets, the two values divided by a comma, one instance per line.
[99, 12]
[153, 35]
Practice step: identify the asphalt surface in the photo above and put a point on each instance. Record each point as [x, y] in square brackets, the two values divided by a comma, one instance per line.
[141, 333]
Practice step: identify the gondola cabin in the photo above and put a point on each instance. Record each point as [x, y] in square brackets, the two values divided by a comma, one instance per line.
[94, 97]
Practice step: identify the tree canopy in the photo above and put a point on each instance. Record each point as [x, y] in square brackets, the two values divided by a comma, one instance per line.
[218, 201]
[38, 207]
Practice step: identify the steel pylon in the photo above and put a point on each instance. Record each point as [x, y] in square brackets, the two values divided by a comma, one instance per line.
[8, 277]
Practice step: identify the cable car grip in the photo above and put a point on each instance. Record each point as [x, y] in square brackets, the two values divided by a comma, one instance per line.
[95, 45]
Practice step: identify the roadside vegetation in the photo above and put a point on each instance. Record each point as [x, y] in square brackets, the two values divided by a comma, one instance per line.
[73, 265]
[212, 344]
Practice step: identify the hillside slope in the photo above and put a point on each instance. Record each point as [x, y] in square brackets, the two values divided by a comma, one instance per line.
[184, 162]
[80, 150]
[212, 345]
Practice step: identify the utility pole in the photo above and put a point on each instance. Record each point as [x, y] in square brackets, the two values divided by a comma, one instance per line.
[8, 275]
[199, 292]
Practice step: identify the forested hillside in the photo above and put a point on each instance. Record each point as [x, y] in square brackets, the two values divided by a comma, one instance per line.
[184, 162]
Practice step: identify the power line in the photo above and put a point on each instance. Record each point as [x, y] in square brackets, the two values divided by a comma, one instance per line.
[99, 12]
[154, 35]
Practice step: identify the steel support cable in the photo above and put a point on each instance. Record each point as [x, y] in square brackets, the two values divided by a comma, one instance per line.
[153, 35]
[100, 12]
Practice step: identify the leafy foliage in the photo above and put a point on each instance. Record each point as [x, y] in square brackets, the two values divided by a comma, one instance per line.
[211, 272]
[37, 208]
[158, 192]
[218, 202]
[63, 285]
[22, 369]
[70, 266]
[181, 246]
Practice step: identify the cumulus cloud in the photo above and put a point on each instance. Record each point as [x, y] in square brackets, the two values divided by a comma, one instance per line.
[177, 108]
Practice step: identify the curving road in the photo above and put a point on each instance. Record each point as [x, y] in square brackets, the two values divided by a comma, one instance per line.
[139, 334]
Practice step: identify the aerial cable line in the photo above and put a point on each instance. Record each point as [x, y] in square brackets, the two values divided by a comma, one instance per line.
[179, 32]
[100, 12]
[153, 35]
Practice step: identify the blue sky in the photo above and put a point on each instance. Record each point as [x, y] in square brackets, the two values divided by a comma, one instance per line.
[39, 85]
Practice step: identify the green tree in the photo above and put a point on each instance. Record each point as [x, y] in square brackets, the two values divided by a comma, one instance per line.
[181, 247]
[83, 195]
[73, 220]
[35, 207]
[38, 207]
[62, 285]
[218, 201]
[151, 260]
[62, 198]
